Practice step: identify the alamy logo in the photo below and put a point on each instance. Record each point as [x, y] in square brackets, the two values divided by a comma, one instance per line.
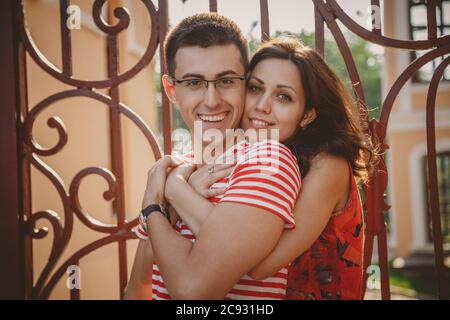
[212, 142]
[374, 19]
[74, 19]
[74, 279]
[373, 280]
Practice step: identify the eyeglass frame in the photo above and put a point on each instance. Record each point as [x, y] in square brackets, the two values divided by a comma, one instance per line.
[177, 81]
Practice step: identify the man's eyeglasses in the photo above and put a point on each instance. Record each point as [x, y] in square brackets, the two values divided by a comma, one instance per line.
[197, 84]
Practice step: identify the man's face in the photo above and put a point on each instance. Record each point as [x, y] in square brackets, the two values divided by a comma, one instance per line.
[217, 108]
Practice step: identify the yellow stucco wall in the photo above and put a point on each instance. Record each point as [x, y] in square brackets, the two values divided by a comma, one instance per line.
[419, 98]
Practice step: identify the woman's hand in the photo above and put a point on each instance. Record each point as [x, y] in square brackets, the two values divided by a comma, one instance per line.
[204, 177]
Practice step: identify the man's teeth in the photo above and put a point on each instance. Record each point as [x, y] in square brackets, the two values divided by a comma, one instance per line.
[260, 123]
[215, 118]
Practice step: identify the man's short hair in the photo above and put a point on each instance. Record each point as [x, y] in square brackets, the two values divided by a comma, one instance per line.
[204, 30]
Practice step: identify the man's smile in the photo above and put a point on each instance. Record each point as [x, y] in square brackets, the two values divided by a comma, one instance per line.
[215, 118]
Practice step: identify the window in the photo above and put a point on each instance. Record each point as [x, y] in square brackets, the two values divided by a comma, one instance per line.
[418, 31]
[443, 175]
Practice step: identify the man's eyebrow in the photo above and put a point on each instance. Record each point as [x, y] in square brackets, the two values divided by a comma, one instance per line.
[227, 73]
[219, 75]
[192, 75]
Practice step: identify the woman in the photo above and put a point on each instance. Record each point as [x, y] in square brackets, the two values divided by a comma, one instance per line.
[326, 247]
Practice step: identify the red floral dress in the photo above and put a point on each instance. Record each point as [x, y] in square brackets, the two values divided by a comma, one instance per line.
[332, 268]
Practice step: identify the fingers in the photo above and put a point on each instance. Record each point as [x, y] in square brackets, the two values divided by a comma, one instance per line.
[214, 192]
[202, 179]
[156, 179]
[211, 169]
[170, 161]
[217, 175]
[166, 162]
[185, 170]
[219, 167]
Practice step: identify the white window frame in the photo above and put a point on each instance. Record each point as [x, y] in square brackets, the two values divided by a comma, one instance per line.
[417, 187]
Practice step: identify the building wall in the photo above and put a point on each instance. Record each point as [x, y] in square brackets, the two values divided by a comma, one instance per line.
[87, 124]
[407, 139]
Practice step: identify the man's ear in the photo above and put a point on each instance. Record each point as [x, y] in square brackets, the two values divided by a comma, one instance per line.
[169, 88]
[308, 117]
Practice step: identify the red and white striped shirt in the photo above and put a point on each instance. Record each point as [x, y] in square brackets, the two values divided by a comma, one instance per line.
[266, 176]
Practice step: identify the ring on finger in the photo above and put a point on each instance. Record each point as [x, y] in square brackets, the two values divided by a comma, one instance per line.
[211, 169]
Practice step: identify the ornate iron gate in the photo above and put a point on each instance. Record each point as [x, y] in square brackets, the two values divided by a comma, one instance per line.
[19, 151]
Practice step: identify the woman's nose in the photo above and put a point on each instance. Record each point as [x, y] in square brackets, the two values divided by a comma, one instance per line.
[263, 104]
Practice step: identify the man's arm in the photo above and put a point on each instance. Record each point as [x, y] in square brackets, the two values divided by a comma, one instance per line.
[140, 284]
[234, 239]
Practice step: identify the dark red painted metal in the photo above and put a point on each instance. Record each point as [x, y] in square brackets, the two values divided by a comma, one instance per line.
[30, 153]
[66, 42]
[13, 89]
[441, 272]
[264, 11]
[116, 147]
[212, 5]
[319, 32]
[431, 19]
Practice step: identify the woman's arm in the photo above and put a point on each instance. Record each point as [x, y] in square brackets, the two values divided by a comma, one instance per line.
[323, 189]
[140, 285]
[189, 198]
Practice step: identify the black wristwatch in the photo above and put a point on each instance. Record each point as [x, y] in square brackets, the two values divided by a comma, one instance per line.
[148, 211]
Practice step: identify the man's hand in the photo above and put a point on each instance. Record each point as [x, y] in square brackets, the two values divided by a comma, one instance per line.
[156, 181]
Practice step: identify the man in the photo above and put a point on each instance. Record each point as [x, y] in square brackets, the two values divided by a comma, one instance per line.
[207, 58]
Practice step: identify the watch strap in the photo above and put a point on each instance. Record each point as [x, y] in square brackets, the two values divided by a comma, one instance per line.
[151, 208]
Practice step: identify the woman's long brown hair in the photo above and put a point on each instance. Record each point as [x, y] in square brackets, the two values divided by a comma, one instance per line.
[336, 129]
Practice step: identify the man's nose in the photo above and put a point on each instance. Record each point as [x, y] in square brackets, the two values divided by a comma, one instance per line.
[212, 97]
[264, 104]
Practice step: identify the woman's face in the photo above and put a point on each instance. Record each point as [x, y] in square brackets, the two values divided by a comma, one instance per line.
[274, 98]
